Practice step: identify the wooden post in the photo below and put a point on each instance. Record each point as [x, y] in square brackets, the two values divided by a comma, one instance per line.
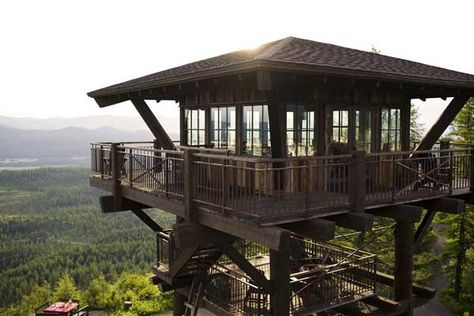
[130, 167]
[405, 117]
[357, 180]
[116, 174]
[280, 277]
[182, 127]
[189, 184]
[404, 248]
[179, 308]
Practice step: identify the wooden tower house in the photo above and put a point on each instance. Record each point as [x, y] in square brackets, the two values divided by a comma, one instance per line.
[278, 146]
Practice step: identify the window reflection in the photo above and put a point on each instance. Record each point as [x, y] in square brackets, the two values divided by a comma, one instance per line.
[223, 128]
[256, 131]
[300, 136]
[390, 119]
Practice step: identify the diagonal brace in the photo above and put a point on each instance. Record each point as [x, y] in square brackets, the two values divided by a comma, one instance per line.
[247, 267]
[423, 227]
[147, 220]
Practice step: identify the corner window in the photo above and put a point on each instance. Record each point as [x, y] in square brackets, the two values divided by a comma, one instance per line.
[223, 128]
[256, 131]
[195, 127]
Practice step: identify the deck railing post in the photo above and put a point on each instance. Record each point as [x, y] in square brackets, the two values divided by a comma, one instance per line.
[189, 183]
[130, 167]
[471, 173]
[451, 172]
[357, 180]
[101, 161]
[114, 148]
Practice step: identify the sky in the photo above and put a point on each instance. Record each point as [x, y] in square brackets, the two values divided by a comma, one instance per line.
[53, 52]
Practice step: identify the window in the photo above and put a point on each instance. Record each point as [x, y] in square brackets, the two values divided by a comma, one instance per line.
[195, 127]
[390, 129]
[223, 128]
[300, 138]
[340, 127]
[363, 130]
[256, 131]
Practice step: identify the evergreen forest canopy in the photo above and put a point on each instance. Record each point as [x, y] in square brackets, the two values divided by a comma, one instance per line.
[52, 230]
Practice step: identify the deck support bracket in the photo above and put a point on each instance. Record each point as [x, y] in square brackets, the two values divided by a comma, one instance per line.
[423, 228]
[153, 124]
[438, 128]
[147, 220]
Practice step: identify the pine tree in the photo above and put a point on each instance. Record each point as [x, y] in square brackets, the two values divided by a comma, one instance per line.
[462, 127]
[65, 289]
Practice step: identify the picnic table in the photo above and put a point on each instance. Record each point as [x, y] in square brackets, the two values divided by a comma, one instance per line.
[61, 308]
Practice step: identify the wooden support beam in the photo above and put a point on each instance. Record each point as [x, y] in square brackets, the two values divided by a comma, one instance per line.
[423, 228]
[156, 199]
[420, 290]
[355, 221]
[266, 236]
[257, 275]
[404, 250]
[317, 229]
[147, 220]
[405, 213]
[192, 234]
[153, 124]
[280, 278]
[443, 122]
[444, 205]
[107, 204]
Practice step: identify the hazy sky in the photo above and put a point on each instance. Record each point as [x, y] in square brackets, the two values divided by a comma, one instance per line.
[53, 52]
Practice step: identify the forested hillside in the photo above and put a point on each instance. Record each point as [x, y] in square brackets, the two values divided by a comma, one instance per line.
[51, 226]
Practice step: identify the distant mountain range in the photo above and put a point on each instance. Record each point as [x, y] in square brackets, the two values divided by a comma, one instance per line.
[32, 142]
[170, 124]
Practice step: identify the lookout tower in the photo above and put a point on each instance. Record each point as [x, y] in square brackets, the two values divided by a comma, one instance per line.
[278, 146]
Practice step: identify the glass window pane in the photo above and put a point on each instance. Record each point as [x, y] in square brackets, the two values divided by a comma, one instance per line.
[232, 116]
[194, 117]
[201, 118]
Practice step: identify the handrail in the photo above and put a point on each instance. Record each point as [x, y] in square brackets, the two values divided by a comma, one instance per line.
[264, 187]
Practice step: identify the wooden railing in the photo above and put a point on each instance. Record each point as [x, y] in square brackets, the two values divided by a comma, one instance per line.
[258, 187]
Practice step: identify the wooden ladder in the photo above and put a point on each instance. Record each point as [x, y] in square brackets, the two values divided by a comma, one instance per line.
[193, 307]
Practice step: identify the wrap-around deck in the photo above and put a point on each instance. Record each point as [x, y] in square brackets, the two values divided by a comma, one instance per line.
[269, 191]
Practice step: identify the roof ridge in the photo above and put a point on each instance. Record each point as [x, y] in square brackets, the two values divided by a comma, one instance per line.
[270, 51]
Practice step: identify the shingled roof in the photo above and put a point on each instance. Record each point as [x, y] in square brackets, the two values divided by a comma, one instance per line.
[300, 55]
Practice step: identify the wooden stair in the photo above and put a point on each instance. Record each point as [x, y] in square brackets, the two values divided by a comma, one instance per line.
[199, 262]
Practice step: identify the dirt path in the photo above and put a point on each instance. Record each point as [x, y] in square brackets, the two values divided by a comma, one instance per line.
[439, 282]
